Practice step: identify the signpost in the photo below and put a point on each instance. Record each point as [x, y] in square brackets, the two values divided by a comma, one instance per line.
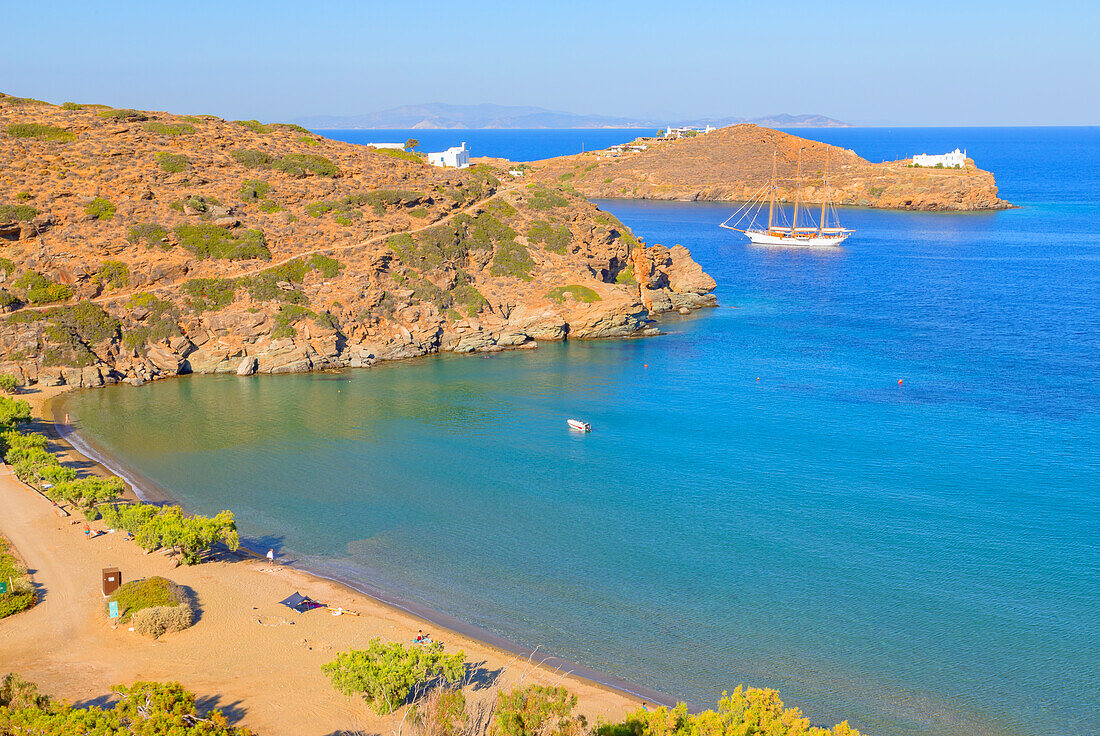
[112, 609]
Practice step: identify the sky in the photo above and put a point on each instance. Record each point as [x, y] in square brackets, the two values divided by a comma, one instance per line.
[920, 62]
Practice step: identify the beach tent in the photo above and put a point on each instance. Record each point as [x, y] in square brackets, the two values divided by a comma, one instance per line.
[301, 603]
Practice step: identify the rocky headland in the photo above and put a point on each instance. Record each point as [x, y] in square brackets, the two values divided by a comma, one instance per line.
[136, 245]
[732, 164]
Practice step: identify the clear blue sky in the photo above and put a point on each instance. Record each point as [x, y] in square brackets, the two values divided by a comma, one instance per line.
[922, 62]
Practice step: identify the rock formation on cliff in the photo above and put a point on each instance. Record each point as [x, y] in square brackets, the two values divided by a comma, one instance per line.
[731, 164]
[136, 245]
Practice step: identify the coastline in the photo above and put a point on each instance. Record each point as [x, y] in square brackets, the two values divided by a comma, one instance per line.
[95, 459]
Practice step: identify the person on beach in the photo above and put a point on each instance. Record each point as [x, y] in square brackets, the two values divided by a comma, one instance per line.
[271, 557]
[66, 417]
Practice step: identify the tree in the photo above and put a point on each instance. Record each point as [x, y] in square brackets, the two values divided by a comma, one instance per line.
[385, 674]
[411, 144]
[190, 537]
[84, 493]
[538, 711]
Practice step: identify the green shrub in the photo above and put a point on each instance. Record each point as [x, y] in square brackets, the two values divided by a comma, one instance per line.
[253, 189]
[545, 199]
[13, 412]
[8, 383]
[468, 296]
[283, 322]
[512, 259]
[159, 321]
[292, 127]
[149, 233]
[302, 164]
[41, 290]
[71, 106]
[207, 295]
[21, 594]
[500, 208]
[100, 209]
[385, 674]
[538, 711]
[556, 238]
[210, 241]
[418, 212]
[270, 206]
[17, 212]
[626, 276]
[251, 158]
[397, 153]
[113, 274]
[566, 176]
[124, 114]
[329, 267]
[173, 163]
[580, 294]
[138, 595]
[154, 126]
[39, 132]
[255, 126]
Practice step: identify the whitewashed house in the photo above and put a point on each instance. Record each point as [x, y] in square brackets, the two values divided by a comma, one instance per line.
[954, 160]
[395, 146]
[455, 157]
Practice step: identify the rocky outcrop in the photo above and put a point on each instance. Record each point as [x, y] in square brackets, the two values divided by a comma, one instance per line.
[220, 247]
[732, 164]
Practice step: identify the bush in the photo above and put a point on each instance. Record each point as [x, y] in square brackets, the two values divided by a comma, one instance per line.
[71, 106]
[8, 383]
[169, 128]
[173, 163]
[255, 126]
[100, 209]
[385, 674]
[210, 241]
[253, 189]
[626, 276]
[441, 712]
[113, 274]
[302, 164]
[580, 294]
[251, 158]
[207, 295]
[468, 296]
[124, 114]
[41, 290]
[545, 199]
[512, 259]
[39, 132]
[160, 620]
[13, 412]
[397, 153]
[16, 212]
[138, 595]
[21, 594]
[556, 238]
[149, 233]
[538, 711]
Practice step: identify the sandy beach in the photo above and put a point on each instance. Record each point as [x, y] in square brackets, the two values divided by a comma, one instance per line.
[250, 656]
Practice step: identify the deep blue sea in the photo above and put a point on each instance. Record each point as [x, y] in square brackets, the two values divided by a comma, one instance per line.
[761, 501]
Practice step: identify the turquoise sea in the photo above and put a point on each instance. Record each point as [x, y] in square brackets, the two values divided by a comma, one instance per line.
[761, 501]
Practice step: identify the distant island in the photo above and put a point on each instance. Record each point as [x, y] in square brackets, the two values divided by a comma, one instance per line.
[439, 116]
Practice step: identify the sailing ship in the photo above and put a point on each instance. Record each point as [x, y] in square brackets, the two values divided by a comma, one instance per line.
[801, 230]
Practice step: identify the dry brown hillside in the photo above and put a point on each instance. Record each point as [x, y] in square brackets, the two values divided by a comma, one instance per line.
[135, 245]
[731, 164]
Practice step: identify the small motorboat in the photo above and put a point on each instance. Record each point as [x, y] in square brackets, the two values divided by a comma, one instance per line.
[578, 425]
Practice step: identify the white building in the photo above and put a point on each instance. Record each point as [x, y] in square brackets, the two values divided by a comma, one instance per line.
[954, 160]
[671, 132]
[395, 146]
[455, 157]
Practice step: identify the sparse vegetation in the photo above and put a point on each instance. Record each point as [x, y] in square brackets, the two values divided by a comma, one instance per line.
[173, 163]
[17, 212]
[556, 238]
[470, 298]
[155, 126]
[40, 132]
[149, 233]
[210, 241]
[124, 114]
[71, 106]
[626, 276]
[40, 290]
[297, 165]
[100, 209]
[398, 153]
[113, 274]
[255, 126]
[159, 320]
[254, 189]
[537, 710]
[21, 594]
[209, 295]
[545, 199]
[578, 292]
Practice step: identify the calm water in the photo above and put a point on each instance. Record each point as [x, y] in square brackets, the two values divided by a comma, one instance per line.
[918, 558]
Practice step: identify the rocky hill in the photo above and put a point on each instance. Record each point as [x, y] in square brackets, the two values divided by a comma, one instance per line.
[732, 164]
[136, 245]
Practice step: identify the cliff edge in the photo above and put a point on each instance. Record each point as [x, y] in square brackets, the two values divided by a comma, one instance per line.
[136, 245]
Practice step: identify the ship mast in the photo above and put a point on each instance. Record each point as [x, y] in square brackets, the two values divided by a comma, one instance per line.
[797, 193]
[771, 201]
[824, 195]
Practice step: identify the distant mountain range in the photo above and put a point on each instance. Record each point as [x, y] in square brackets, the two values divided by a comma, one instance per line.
[436, 115]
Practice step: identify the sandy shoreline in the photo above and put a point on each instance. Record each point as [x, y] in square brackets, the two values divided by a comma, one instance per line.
[246, 653]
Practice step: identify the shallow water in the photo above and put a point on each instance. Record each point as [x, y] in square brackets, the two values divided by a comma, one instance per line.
[918, 558]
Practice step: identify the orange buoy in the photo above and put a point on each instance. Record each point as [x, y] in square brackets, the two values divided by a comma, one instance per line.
[645, 365]
[899, 381]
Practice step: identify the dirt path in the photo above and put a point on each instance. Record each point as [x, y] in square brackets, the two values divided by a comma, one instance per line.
[246, 654]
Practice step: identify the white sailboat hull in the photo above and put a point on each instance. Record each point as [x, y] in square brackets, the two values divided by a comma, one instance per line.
[808, 239]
